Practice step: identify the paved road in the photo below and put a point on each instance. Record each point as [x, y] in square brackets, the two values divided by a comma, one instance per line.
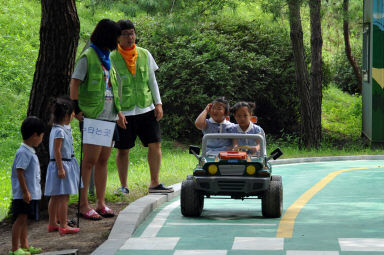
[330, 208]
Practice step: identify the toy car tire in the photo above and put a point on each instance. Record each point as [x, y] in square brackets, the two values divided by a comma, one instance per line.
[276, 178]
[191, 200]
[272, 200]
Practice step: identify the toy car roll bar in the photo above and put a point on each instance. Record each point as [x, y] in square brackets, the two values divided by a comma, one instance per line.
[256, 137]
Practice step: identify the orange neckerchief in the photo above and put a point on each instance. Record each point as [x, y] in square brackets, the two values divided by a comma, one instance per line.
[130, 57]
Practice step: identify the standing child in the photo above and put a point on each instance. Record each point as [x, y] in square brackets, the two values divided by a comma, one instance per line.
[242, 111]
[218, 110]
[63, 173]
[26, 187]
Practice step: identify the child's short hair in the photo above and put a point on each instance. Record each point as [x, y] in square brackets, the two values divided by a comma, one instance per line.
[61, 107]
[251, 106]
[30, 126]
[223, 101]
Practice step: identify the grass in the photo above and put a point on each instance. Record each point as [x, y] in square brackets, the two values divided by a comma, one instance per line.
[338, 107]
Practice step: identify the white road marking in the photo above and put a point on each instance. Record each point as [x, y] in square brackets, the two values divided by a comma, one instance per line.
[221, 224]
[312, 253]
[258, 243]
[200, 252]
[361, 244]
[150, 243]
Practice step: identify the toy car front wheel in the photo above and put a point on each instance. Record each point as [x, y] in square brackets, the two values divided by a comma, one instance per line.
[272, 200]
[191, 200]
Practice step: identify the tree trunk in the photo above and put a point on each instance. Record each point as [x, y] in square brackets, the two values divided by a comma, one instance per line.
[309, 88]
[347, 43]
[59, 35]
[316, 72]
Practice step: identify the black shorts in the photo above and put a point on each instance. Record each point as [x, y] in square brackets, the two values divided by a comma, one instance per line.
[21, 207]
[145, 126]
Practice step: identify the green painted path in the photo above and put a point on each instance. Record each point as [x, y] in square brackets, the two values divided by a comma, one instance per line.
[330, 208]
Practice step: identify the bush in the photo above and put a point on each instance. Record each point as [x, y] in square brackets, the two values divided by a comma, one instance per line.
[345, 78]
[240, 60]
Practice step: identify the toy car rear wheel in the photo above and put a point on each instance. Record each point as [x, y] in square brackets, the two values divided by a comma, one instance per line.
[272, 200]
[191, 200]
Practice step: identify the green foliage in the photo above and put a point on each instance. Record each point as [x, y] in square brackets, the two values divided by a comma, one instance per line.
[17, 55]
[344, 76]
[341, 115]
[164, 7]
[336, 67]
[19, 44]
[226, 56]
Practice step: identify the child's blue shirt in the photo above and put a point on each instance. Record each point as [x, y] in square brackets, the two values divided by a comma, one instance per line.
[214, 145]
[252, 129]
[27, 160]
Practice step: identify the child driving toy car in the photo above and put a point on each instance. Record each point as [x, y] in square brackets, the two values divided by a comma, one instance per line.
[242, 111]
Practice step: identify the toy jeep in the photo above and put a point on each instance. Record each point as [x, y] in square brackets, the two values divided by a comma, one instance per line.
[239, 172]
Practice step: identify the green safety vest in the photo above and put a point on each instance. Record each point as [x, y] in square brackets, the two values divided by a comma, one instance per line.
[92, 89]
[134, 90]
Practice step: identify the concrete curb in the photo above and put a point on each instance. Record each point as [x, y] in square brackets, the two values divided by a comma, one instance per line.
[131, 217]
[319, 159]
[135, 213]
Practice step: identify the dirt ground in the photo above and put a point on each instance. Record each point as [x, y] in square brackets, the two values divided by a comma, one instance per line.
[91, 235]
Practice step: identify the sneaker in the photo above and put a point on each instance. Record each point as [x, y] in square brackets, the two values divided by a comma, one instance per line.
[33, 250]
[160, 189]
[19, 251]
[123, 190]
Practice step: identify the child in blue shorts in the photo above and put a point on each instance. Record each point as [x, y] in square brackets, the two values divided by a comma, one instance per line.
[218, 110]
[242, 111]
[26, 189]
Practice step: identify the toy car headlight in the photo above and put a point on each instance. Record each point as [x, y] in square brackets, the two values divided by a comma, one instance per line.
[212, 169]
[251, 169]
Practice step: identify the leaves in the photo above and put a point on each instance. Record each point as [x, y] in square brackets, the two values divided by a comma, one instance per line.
[223, 56]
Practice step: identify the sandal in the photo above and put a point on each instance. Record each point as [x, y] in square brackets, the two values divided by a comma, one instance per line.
[91, 215]
[65, 231]
[19, 251]
[53, 228]
[71, 223]
[33, 250]
[105, 212]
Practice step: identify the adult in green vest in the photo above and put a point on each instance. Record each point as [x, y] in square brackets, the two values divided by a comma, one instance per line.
[141, 104]
[94, 90]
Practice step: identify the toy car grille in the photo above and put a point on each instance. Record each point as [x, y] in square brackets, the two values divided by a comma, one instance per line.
[231, 169]
[231, 185]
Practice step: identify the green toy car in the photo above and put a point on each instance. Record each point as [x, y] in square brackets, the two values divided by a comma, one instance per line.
[239, 172]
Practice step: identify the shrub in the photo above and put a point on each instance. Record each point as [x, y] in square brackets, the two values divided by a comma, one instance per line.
[344, 76]
[240, 60]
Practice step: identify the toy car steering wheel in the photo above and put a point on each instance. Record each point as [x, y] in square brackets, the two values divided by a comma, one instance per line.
[244, 148]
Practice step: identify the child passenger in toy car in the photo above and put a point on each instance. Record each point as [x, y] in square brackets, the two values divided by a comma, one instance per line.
[218, 110]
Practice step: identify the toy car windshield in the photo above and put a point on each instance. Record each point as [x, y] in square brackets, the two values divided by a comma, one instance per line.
[225, 145]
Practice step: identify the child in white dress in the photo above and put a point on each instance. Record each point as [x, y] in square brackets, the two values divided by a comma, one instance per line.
[63, 173]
